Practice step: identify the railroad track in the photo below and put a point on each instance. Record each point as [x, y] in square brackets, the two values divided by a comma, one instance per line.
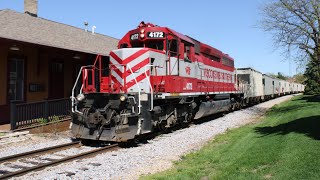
[52, 162]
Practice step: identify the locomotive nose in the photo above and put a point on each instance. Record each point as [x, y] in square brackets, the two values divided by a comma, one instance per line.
[129, 69]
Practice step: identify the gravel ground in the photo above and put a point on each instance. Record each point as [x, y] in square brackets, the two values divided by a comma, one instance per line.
[154, 156]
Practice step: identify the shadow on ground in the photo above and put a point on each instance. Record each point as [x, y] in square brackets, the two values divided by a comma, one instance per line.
[287, 109]
[315, 98]
[308, 126]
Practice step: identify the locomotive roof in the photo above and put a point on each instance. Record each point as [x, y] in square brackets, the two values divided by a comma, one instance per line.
[181, 36]
[23, 27]
[199, 46]
[204, 48]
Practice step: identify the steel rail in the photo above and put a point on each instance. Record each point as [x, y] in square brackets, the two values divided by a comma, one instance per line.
[58, 161]
[38, 151]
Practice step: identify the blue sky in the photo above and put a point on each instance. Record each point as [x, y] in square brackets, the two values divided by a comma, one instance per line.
[228, 25]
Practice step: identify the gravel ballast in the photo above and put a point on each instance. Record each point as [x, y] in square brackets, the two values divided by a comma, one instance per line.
[156, 155]
[29, 142]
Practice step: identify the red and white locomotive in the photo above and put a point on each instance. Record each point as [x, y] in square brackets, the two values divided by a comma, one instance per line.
[157, 78]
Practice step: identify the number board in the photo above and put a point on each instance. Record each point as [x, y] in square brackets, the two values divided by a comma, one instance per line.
[156, 34]
[134, 36]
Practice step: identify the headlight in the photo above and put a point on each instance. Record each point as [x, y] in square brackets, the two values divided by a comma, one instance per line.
[80, 97]
[141, 35]
[123, 98]
[142, 31]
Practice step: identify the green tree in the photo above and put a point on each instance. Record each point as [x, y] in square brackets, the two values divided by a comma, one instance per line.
[299, 78]
[313, 78]
[281, 76]
[295, 26]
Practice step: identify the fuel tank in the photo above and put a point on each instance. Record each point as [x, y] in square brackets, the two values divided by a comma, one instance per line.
[212, 107]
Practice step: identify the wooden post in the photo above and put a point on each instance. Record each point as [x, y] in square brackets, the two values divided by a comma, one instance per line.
[13, 115]
[46, 110]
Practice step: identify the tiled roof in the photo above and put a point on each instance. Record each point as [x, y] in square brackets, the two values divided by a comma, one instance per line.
[23, 27]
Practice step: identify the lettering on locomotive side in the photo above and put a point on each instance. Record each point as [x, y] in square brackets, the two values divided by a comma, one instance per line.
[217, 76]
[221, 75]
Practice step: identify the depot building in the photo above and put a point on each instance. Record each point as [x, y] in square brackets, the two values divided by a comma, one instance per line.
[40, 59]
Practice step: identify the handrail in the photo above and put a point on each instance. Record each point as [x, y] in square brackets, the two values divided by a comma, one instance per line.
[151, 89]
[139, 106]
[73, 104]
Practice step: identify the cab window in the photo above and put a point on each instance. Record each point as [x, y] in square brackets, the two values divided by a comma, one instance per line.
[187, 53]
[173, 47]
[137, 44]
[155, 45]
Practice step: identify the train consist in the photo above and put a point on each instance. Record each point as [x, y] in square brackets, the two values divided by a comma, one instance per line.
[159, 78]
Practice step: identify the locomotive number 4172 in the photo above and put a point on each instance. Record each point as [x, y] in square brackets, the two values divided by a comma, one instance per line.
[156, 34]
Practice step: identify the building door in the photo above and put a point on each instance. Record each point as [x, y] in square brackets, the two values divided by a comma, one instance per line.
[15, 86]
[16, 73]
[56, 80]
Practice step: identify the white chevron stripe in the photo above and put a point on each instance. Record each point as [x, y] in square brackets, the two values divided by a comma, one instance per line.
[131, 76]
[115, 75]
[125, 53]
[114, 62]
[138, 60]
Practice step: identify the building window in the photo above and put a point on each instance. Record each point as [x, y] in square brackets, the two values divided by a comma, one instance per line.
[16, 80]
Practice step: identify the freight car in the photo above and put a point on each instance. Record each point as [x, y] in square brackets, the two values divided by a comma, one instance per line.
[261, 87]
[253, 79]
[269, 88]
[156, 79]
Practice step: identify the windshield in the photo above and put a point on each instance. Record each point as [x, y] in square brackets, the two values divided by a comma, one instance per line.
[155, 45]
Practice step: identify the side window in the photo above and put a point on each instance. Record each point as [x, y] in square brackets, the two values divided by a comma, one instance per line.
[173, 47]
[264, 82]
[187, 53]
[213, 58]
[227, 62]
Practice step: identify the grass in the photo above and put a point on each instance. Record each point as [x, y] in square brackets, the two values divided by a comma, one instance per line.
[42, 120]
[283, 145]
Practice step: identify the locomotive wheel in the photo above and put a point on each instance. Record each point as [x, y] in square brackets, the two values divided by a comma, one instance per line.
[162, 126]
